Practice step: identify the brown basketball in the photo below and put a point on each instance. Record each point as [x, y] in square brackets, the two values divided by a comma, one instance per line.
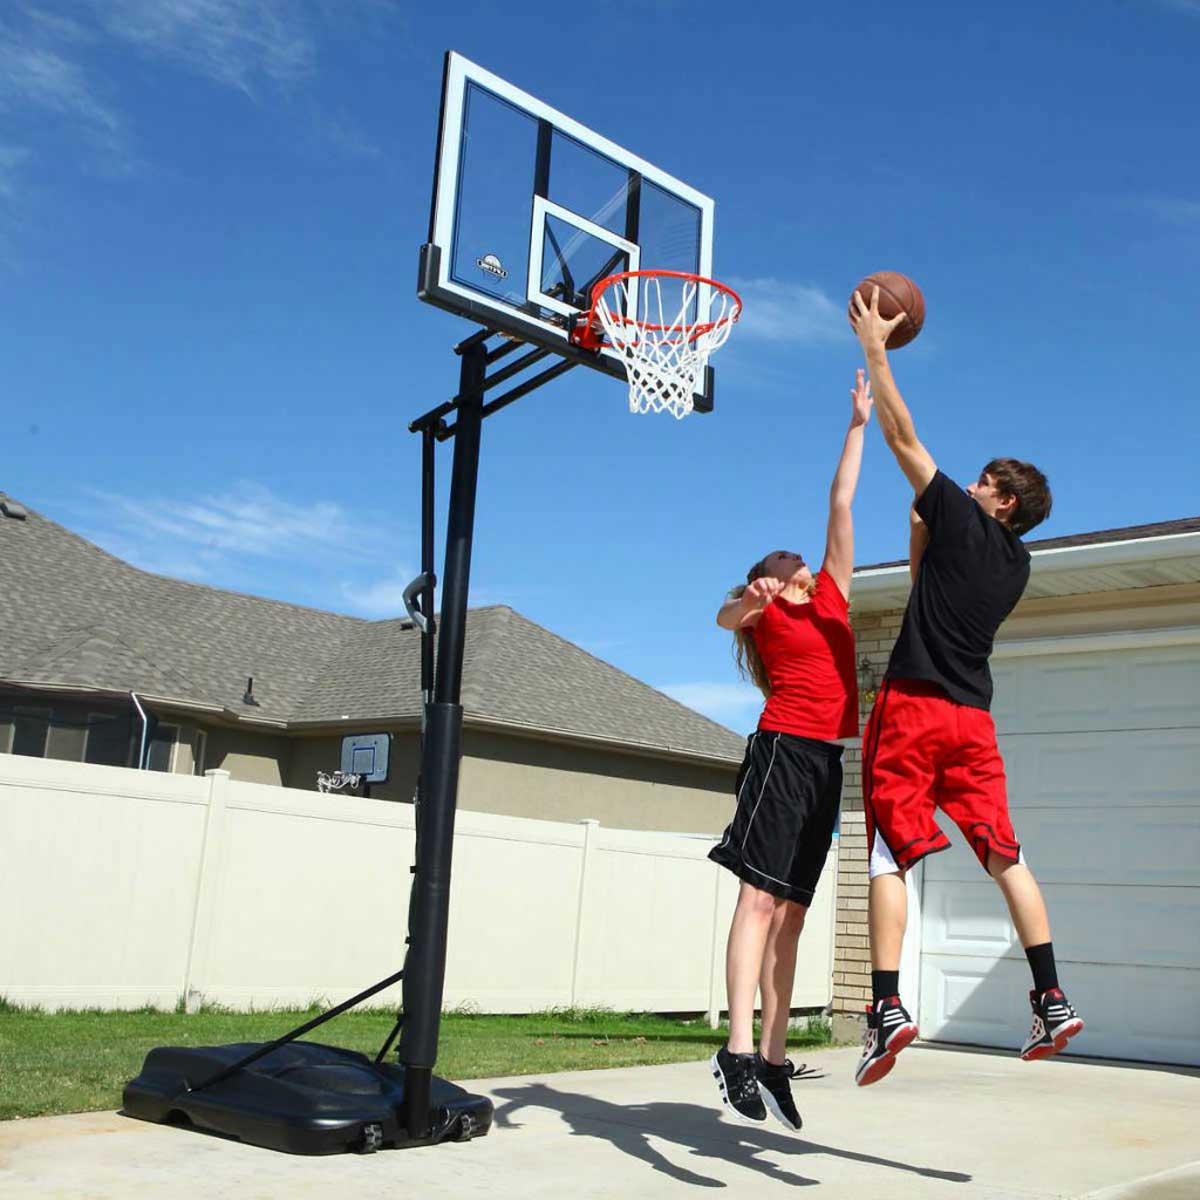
[897, 294]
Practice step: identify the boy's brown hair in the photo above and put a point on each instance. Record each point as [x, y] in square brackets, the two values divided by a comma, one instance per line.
[1024, 481]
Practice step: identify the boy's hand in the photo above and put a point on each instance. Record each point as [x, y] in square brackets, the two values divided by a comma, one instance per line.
[861, 401]
[872, 330]
[760, 593]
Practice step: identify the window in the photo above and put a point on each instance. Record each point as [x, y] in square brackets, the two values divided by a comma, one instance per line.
[160, 754]
[29, 731]
[107, 740]
[66, 737]
[67, 732]
[199, 750]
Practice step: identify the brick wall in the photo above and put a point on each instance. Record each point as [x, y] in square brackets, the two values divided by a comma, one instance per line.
[875, 634]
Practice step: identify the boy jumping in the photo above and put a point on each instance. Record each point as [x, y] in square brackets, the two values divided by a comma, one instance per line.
[930, 742]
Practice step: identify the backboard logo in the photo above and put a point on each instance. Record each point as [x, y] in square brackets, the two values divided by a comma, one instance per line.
[492, 265]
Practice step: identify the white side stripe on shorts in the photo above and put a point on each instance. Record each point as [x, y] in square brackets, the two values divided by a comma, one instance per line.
[738, 802]
[761, 792]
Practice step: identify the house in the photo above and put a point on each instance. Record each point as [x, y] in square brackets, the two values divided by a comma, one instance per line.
[101, 662]
[1097, 704]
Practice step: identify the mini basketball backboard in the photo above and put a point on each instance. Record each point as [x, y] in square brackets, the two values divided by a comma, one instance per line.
[366, 755]
[531, 209]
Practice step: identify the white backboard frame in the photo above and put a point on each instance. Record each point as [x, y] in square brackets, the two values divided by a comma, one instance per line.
[440, 288]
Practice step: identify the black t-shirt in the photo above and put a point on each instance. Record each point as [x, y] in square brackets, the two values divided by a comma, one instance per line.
[971, 576]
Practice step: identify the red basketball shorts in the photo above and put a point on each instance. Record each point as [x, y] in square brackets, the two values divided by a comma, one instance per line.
[923, 751]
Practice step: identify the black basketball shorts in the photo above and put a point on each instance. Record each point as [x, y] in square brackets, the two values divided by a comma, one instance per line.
[789, 791]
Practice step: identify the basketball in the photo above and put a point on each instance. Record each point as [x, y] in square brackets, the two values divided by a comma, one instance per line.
[897, 294]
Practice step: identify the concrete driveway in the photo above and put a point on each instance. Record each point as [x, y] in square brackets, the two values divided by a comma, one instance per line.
[954, 1124]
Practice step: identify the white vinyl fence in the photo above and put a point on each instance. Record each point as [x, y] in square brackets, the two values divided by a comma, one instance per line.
[124, 888]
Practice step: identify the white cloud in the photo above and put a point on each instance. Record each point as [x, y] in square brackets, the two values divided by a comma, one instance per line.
[12, 160]
[37, 77]
[1175, 210]
[63, 62]
[734, 704]
[383, 598]
[778, 310]
[251, 520]
[176, 562]
[1191, 7]
[257, 541]
[339, 132]
[233, 42]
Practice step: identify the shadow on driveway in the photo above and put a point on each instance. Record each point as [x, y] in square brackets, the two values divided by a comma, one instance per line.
[696, 1129]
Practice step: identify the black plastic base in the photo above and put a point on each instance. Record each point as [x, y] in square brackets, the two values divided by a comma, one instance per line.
[304, 1098]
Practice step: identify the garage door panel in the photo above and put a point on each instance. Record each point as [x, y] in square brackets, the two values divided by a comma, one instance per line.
[1142, 1013]
[1097, 690]
[1102, 753]
[1139, 846]
[1099, 769]
[1166, 689]
[965, 918]
[1032, 695]
[1139, 926]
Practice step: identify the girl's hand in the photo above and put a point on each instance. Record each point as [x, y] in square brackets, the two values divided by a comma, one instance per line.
[861, 402]
[760, 593]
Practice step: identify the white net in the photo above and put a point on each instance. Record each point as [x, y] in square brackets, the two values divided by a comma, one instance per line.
[335, 781]
[651, 319]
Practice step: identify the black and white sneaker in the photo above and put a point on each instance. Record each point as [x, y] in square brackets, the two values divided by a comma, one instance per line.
[775, 1087]
[738, 1080]
[1055, 1022]
[889, 1030]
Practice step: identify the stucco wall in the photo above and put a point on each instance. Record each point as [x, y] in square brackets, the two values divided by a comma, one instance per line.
[508, 775]
[310, 755]
[252, 757]
[546, 780]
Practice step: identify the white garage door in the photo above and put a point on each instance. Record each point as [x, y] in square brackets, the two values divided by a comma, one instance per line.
[1102, 749]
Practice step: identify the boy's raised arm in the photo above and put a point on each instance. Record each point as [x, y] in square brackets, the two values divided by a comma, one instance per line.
[894, 418]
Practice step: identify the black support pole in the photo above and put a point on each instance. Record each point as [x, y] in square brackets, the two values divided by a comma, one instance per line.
[425, 966]
[428, 456]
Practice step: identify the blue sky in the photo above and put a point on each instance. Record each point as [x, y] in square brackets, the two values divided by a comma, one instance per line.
[210, 212]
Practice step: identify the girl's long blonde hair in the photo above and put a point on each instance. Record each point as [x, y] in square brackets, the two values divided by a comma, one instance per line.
[745, 653]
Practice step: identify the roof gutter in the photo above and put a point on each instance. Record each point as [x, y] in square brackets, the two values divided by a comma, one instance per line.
[172, 702]
[1110, 554]
[1056, 561]
[339, 724]
[568, 736]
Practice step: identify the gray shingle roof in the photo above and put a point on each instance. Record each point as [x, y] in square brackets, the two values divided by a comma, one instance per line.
[76, 616]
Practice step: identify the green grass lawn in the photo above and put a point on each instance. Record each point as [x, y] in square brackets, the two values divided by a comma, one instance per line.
[79, 1061]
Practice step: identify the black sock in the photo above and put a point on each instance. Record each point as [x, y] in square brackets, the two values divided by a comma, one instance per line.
[1041, 963]
[883, 985]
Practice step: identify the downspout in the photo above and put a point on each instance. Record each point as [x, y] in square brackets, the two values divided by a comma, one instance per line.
[141, 763]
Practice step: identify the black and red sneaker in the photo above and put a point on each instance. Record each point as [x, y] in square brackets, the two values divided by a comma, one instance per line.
[889, 1030]
[1055, 1022]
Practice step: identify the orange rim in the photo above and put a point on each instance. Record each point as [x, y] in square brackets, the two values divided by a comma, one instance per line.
[692, 331]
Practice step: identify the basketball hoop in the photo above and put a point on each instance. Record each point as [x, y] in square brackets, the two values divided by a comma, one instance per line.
[665, 355]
